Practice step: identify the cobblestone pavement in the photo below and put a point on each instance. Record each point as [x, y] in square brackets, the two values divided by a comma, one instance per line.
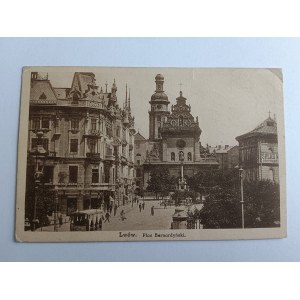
[136, 220]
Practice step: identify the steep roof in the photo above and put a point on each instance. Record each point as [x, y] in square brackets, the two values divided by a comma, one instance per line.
[139, 137]
[61, 93]
[267, 127]
[81, 80]
[220, 149]
[42, 90]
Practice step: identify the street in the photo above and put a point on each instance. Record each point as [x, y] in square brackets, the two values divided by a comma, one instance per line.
[135, 220]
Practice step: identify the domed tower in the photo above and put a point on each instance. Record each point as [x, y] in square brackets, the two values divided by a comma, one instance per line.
[159, 109]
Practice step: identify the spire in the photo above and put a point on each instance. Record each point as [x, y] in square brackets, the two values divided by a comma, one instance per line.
[114, 86]
[129, 100]
[126, 97]
[105, 86]
[269, 114]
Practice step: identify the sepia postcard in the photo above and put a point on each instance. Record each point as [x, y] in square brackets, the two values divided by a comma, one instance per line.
[143, 154]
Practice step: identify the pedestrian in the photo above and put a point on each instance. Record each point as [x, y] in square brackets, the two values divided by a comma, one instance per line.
[115, 208]
[122, 215]
[107, 215]
[140, 207]
[143, 205]
[137, 200]
[165, 205]
[152, 211]
[110, 208]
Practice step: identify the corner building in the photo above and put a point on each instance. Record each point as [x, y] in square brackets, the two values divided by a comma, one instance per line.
[82, 141]
[258, 152]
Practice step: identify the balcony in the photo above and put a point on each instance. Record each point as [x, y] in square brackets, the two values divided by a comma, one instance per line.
[93, 156]
[93, 133]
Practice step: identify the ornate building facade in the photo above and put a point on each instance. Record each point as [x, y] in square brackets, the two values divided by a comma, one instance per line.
[82, 142]
[174, 138]
[258, 152]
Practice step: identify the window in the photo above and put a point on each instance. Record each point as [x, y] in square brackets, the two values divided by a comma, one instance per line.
[75, 97]
[45, 122]
[118, 131]
[138, 172]
[181, 121]
[39, 142]
[158, 118]
[74, 124]
[172, 156]
[138, 162]
[73, 174]
[43, 96]
[159, 132]
[189, 156]
[181, 155]
[93, 124]
[74, 145]
[36, 123]
[48, 174]
[93, 146]
[95, 175]
[106, 173]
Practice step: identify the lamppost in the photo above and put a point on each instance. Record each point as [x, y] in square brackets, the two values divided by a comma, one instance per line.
[38, 174]
[242, 195]
[37, 181]
[55, 209]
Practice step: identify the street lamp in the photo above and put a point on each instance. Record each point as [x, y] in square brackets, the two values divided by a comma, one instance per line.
[55, 209]
[242, 195]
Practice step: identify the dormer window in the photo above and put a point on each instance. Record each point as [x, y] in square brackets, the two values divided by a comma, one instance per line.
[43, 96]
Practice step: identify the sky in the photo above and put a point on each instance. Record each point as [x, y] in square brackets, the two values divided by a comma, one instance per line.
[228, 102]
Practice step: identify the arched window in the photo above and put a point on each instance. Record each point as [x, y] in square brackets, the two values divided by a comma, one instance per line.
[181, 121]
[189, 156]
[159, 132]
[172, 156]
[181, 155]
[75, 97]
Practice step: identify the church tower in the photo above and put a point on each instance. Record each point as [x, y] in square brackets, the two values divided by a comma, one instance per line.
[159, 109]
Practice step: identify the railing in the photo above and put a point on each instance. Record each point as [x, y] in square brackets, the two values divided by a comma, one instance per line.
[94, 132]
[93, 155]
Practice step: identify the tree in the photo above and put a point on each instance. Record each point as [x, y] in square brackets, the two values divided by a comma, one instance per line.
[261, 209]
[262, 204]
[160, 181]
[221, 209]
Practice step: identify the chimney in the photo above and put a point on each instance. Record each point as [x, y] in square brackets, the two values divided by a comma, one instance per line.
[219, 147]
[34, 76]
[226, 147]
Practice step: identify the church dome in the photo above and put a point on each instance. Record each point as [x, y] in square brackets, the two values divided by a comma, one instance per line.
[159, 77]
[159, 96]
